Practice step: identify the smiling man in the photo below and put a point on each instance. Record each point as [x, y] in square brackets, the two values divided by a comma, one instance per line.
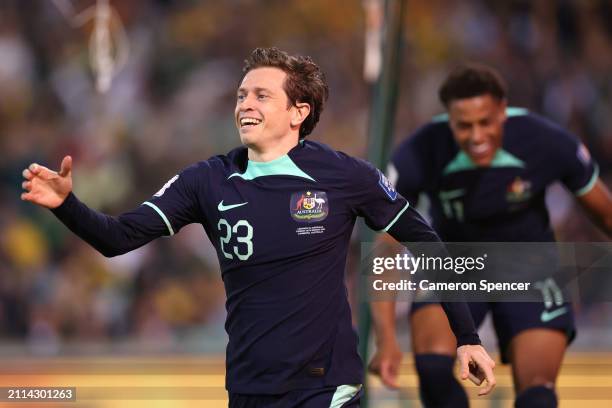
[279, 211]
[485, 169]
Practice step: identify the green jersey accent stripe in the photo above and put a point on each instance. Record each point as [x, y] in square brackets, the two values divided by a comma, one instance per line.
[162, 215]
[442, 117]
[511, 111]
[343, 394]
[283, 166]
[463, 162]
[589, 186]
[399, 214]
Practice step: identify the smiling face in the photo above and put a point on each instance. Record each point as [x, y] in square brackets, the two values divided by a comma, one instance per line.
[264, 116]
[477, 124]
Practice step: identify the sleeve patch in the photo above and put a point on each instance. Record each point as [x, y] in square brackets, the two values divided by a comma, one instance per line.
[386, 185]
[392, 174]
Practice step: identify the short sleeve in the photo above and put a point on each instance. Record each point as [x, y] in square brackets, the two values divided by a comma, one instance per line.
[177, 202]
[373, 197]
[578, 171]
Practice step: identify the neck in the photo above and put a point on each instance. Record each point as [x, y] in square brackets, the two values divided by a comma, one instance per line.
[269, 153]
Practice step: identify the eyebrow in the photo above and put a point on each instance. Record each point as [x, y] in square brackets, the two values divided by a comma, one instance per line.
[256, 90]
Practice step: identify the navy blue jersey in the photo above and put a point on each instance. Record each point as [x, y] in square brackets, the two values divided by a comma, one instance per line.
[504, 201]
[281, 230]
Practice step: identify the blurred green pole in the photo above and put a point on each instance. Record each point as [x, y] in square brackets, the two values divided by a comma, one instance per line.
[380, 136]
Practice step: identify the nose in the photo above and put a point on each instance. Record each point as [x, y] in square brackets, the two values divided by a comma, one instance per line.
[477, 135]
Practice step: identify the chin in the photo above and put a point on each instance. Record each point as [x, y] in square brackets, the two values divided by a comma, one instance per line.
[247, 139]
[482, 161]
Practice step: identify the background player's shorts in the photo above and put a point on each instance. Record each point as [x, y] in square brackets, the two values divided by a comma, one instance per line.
[511, 318]
[344, 396]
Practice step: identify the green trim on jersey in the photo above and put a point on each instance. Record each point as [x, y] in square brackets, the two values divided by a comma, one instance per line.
[343, 394]
[394, 220]
[589, 186]
[283, 166]
[514, 111]
[442, 117]
[462, 162]
[162, 215]
[510, 112]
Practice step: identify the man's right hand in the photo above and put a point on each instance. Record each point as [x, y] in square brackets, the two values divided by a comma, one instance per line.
[46, 187]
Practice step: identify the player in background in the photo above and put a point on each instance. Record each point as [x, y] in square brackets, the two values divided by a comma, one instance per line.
[485, 168]
[279, 211]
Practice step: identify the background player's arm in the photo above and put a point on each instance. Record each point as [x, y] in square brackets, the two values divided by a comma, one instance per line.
[388, 356]
[109, 235]
[598, 203]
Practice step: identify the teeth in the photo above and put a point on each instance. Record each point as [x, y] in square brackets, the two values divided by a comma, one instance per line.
[480, 148]
[249, 121]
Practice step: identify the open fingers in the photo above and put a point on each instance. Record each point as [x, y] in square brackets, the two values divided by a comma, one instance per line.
[26, 185]
[41, 171]
[27, 174]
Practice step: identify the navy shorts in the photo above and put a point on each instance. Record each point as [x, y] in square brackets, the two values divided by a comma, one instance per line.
[511, 318]
[329, 397]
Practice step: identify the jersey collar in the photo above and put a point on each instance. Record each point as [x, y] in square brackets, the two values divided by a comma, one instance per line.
[281, 166]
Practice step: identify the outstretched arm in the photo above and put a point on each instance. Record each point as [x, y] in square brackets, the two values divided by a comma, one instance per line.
[110, 235]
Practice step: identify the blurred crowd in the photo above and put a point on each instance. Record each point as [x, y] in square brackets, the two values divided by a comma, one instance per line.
[171, 104]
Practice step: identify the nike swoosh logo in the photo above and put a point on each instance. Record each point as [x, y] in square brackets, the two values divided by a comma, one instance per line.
[547, 316]
[222, 207]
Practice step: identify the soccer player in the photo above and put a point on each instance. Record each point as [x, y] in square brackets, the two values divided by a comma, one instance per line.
[485, 168]
[279, 211]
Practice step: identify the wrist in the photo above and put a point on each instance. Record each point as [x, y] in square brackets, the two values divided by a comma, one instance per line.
[389, 340]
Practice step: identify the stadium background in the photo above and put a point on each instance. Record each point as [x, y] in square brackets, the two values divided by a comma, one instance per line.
[154, 318]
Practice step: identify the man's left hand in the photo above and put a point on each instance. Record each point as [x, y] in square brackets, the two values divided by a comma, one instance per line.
[476, 365]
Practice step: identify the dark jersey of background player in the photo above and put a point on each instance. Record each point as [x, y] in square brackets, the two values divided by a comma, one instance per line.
[281, 231]
[503, 202]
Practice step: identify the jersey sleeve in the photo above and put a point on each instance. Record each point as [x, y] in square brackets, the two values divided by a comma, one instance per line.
[577, 170]
[373, 197]
[110, 235]
[177, 202]
[406, 169]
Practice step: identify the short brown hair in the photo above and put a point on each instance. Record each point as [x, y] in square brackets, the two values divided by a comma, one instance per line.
[305, 82]
[469, 80]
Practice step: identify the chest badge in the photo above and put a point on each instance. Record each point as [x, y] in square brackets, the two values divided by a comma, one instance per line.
[309, 206]
[518, 190]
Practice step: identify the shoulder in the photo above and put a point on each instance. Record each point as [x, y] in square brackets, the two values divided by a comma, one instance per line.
[220, 165]
[333, 166]
[337, 159]
[524, 125]
[522, 120]
[431, 137]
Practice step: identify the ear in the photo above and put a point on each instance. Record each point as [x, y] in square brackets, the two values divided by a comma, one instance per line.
[301, 110]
